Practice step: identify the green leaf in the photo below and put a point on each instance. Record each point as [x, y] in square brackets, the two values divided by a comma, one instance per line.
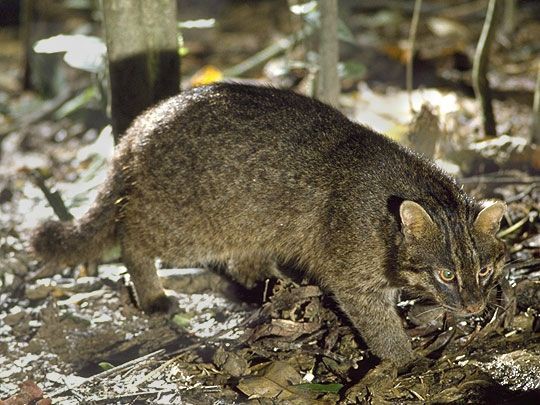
[352, 70]
[320, 388]
[183, 51]
[345, 34]
[105, 365]
[76, 103]
[183, 320]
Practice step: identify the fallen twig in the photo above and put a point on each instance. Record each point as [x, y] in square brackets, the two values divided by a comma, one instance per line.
[517, 225]
[53, 197]
[130, 395]
[108, 373]
[267, 53]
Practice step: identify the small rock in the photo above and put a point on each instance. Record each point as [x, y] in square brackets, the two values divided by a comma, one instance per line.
[34, 323]
[8, 280]
[14, 318]
[517, 370]
[38, 292]
[15, 266]
[35, 346]
[103, 318]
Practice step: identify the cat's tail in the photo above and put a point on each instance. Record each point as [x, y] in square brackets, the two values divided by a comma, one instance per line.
[58, 244]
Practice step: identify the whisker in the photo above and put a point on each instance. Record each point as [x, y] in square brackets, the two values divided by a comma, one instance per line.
[438, 316]
[428, 311]
[492, 288]
[448, 308]
[500, 306]
[512, 261]
[503, 309]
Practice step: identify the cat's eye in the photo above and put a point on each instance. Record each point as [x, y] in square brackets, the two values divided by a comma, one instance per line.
[485, 271]
[446, 275]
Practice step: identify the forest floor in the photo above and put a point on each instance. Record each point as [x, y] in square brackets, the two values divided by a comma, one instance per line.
[78, 337]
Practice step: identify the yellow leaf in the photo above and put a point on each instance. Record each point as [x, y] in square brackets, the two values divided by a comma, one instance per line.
[206, 75]
[398, 132]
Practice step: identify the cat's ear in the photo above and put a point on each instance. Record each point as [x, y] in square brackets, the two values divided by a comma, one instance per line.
[488, 220]
[415, 221]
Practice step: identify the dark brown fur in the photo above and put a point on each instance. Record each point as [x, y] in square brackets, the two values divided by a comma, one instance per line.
[240, 173]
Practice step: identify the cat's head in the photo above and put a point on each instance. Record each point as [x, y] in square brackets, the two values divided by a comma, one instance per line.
[454, 258]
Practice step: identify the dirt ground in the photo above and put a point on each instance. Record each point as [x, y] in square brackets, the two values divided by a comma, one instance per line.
[66, 334]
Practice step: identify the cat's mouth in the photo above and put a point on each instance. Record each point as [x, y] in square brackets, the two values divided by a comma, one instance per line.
[466, 311]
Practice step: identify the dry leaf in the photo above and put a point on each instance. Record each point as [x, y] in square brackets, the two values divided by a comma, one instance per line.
[277, 381]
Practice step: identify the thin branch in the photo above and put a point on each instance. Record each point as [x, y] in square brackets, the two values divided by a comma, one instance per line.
[509, 23]
[480, 67]
[535, 128]
[462, 10]
[515, 227]
[412, 45]
[267, 53]
[53, 197]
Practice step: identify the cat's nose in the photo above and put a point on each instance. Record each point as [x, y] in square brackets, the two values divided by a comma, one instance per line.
[474, 308]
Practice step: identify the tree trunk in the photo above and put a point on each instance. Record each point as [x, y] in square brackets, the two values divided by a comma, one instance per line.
[142, 49]
[328, 87]
[24, 34]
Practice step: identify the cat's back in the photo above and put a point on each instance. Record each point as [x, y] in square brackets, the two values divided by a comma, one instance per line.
[228, 115]
[228, 131]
